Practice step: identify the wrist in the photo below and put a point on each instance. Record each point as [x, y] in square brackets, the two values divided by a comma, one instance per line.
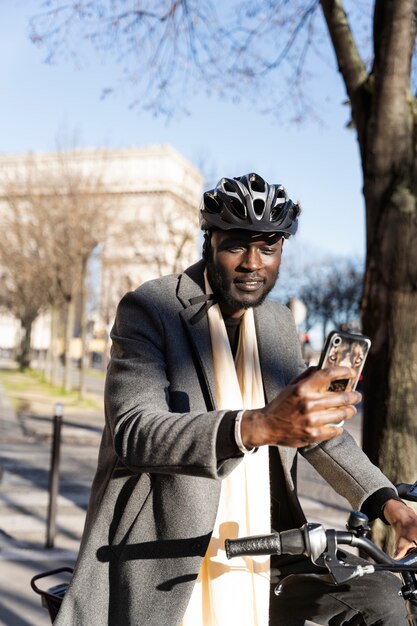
[395, 511]
[250, 429]
[241, 444]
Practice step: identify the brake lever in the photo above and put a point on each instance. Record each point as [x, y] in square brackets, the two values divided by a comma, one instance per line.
[339, 571]
[290, 579]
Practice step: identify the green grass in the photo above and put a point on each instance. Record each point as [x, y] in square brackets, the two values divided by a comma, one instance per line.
[96, 373]
[16, 383]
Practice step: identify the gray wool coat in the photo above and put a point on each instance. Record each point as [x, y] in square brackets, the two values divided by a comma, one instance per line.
[155, 494]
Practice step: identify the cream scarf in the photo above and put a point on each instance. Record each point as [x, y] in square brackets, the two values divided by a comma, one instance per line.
[236, 592]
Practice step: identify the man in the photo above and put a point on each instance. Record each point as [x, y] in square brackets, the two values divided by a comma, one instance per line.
[206, 409]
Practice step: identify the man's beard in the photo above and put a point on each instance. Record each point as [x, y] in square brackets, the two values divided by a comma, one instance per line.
[219, 286]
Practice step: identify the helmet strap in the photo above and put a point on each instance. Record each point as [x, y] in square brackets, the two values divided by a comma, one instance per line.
[207, 244]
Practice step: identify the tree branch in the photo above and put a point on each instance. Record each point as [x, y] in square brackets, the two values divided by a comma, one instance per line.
[349, 61]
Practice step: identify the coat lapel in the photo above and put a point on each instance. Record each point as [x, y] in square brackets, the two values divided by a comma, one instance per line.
[269, 346]
[191, 286]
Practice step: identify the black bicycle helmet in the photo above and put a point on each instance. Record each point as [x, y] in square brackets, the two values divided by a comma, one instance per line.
[249, 203]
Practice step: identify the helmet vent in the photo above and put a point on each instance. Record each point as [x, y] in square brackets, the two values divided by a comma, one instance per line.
[275, 212]
[257, 184]
[211, 204]
[258, 207]
[237, 208]
[228, 186]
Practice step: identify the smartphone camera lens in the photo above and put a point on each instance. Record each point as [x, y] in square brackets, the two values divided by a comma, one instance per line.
[337, 341]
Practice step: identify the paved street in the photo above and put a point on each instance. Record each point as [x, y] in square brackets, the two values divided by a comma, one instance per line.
[25, 457]
[25, 460]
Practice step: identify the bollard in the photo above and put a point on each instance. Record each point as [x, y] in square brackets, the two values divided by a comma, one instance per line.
[54, 475]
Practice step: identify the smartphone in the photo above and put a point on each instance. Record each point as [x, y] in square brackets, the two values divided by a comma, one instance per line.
[345, 349]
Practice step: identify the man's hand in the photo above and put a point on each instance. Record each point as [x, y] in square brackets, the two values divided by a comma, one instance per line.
[305, 412]
[404, 522]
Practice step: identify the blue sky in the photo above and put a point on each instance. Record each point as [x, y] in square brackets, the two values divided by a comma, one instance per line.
[318, 164]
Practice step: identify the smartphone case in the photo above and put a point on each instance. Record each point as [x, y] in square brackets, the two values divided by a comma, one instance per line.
[345, 349]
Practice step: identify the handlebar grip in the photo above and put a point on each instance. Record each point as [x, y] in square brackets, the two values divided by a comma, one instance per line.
[258, 544]
[407, 491]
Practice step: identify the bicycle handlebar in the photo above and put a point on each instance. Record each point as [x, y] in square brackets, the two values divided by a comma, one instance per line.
[309, 540]
[407, 491]
[312, 540]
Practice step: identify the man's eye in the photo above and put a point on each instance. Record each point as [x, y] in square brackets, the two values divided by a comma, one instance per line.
[268, 250]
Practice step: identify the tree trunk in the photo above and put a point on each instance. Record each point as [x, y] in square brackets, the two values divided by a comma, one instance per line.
[389, 304]
[69, 331]
[50, 374]
[23, 357]
[390, 319]
[384, 117]
[106, 352]
[54, 356]
[83, 325]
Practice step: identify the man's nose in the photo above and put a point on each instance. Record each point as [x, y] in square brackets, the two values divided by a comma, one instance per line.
[252, 260]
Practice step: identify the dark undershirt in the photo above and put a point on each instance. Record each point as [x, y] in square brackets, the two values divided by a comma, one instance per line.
[232, 328]
[227, 448]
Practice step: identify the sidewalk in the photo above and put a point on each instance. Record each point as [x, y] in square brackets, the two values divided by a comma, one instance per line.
[25, 456]
[24, 477]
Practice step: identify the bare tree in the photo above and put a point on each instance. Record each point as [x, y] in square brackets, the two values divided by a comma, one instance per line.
[179, 40]
[54, 214]
[154, 238]
[78, 219]
[344, 286]
[167, 239]
[318, 301]
[331, 290]
[160, 44]
[24, 277]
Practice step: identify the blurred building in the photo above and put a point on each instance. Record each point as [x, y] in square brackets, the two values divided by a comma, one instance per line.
[150, 197]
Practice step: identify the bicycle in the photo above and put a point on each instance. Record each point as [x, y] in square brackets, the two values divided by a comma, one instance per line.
[320, 545]
[311, 540]
[52, 597]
